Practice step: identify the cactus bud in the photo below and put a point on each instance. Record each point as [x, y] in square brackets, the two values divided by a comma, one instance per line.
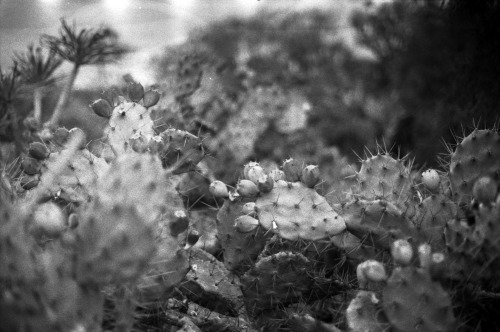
[277, 175]
[292, 169]
[29, 182]
[180, 224]
[112, 97]
[247, 167]
[49, 220]
[79, 135]
[424, 255]
[138, 143]
[38, 150]
[485, 190]
[156, 144]
[310, 175]
[370, 270]
[245, 224]
[402, 252]
[135, 91]
[150, 98]
[218, 189]
[254, 173]
[61, 135]
[265, 184]
[247, 188]
[30, 166]
[102, 108]
[431, 179]
[73, 221]
[249, 209]
[192, 238]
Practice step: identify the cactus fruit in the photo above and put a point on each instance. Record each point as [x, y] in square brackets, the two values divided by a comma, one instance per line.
[240, 249]
[475, 156]
[265, 184]
[485, 190]
[365, 313]
[310, 175]
[247, 188]
[370, 270]
[402, 252]
[245, 224]
[102, 108]
[48, 220]
[431, 179]
[38, 150]
[150, 98]
[181, 149]
[292, 169]
[135, 91]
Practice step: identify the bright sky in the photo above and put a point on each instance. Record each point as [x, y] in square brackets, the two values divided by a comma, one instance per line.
[143, 24]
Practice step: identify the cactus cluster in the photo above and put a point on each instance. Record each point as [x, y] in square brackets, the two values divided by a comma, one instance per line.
[88, 242]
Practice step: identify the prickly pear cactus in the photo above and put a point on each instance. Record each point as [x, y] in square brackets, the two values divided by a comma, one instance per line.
[277, 279]
[241, 249]
[476, 155]
[76, 179]
[413, 302]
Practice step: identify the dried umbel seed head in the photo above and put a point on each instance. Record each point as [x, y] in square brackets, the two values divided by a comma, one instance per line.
[402, 252]
[310, 175]
[485, 190]
[245, 224]
[247, 188]
[218, 189]
[431, 179]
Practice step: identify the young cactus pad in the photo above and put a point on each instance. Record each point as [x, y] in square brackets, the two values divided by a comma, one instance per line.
[298, 212]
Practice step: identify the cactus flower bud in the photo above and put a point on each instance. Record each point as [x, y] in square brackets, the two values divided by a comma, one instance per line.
[424, 255]
[431, 179]
[49, 220]
[73, 221]
[218, 189]
[370, 270]
[30, 166]
[247, 167]
[61, 135]
[265, 184]
[192, 238]
[150, 98]
[79, 135]
[249, 209]
[138, 143]
[180, 224]
[247, 188]
[29, 182]
[292, 169]
[402, 252]
[38, 150]
[485, 190]
[112, 97]
[135, 91]
[310, 175]
[254, 173]
[102, 108]
[156, 144]
[277, 175]
[245, 224]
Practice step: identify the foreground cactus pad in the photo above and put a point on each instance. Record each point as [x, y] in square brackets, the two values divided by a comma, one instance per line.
[298, 212]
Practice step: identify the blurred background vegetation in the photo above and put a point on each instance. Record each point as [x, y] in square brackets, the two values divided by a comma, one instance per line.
[278, 85]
